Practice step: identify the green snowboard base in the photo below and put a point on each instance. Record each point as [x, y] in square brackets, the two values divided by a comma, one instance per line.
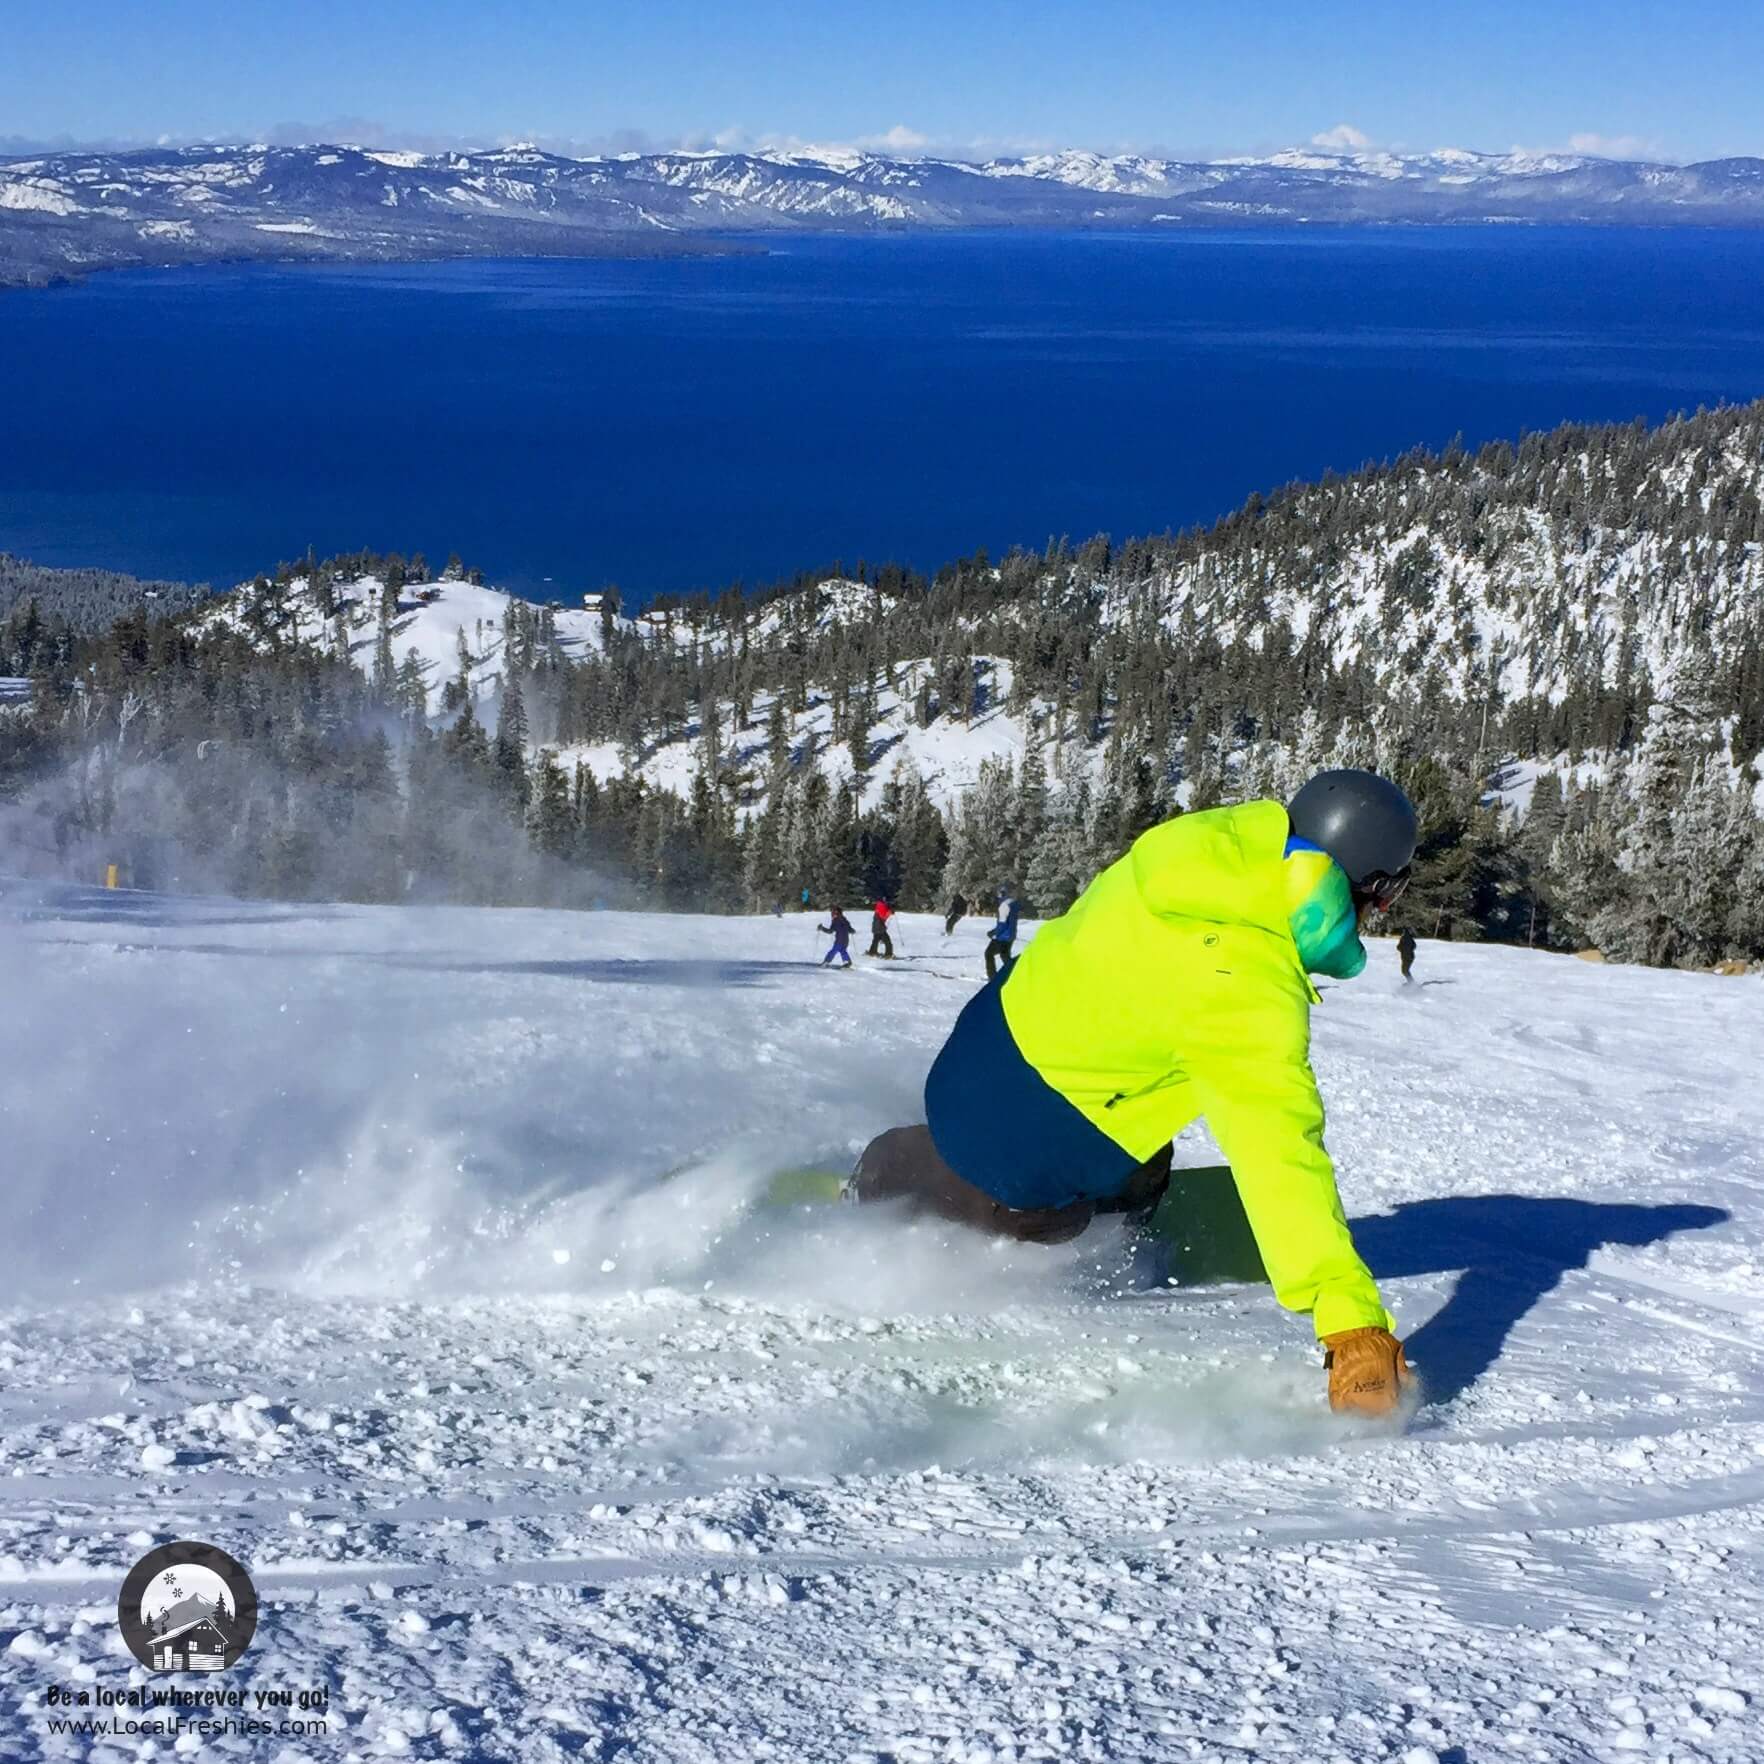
[1200, 1221]
[805, 1187]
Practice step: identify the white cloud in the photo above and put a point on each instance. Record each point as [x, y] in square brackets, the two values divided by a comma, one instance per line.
[899, 139]
[1615, 146]
[1343, 138]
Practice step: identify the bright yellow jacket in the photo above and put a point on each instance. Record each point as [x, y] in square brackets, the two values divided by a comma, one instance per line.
[1174, 989]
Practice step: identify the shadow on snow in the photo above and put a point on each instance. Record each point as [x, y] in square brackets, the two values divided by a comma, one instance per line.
[1508, 1250]
[1513, 1250]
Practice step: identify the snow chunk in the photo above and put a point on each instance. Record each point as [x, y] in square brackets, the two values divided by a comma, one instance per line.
[1719, 1699]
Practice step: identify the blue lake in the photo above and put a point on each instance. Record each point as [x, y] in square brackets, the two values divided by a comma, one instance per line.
[689, 423]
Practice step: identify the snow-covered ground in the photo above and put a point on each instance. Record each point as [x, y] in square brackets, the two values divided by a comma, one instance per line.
[412, 1256]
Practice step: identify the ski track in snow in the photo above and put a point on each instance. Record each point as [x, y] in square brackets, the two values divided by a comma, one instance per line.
[412, 1256]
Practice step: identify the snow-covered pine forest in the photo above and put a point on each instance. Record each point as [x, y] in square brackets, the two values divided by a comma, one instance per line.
[1557, 645]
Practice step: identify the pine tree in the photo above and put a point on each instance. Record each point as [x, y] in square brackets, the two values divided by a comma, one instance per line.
[509, 755]
[710, 742]
[921, 843]
[1442, 887]
[1587, 884]
[551, 820]
[1671, 787]
[763, 880]
[466, 742]
[860, 717]
[384, 668]
[1028, 813]
[806, 804]
[1715, 834]
[837, 875]
[777, 744]
[1059, 868]
[458, 690]
[981, 847]
[411, 692]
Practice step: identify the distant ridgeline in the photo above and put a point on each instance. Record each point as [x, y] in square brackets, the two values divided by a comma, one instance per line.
[1557, 646]
[67, 213]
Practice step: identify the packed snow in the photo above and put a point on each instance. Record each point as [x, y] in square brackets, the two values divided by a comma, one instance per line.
[417, 1258]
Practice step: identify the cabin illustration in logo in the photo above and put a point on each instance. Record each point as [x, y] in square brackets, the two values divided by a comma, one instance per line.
[191, 1636]
[187, 1607]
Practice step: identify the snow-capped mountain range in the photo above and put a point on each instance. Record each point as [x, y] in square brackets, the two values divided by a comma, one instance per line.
[67, 213]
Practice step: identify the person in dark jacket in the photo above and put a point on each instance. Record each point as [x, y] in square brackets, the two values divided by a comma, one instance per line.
[881, 944]
[1004, 934]
[840, 932]
[958, 910]
[1406, 953]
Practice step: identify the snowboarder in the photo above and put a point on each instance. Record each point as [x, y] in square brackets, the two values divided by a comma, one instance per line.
[840, 932]
[1406, 952]
[1002, 936]
[880, 942]
[958, 910]
[1178, 986]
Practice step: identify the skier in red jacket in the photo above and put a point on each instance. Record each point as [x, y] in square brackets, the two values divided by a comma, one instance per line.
[880, 942]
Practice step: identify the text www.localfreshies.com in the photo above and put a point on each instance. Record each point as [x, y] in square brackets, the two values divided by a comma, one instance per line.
[177, 1726]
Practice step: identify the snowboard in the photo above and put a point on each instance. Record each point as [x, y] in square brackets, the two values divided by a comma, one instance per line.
[1200, 1221]
[807, 1186]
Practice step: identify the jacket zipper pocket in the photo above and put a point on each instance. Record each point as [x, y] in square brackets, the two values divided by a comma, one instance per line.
[1173, 1076]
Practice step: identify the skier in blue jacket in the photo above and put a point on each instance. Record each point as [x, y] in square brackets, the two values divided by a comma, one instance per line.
[840, 932]
[1004, 934]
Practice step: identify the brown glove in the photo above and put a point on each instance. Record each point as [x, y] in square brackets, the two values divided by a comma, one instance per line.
[1367, 1371]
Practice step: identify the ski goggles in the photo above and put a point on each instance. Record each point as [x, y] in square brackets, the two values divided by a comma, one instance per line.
[1380, 891]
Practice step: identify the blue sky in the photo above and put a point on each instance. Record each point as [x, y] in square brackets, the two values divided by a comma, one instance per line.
[1184, 76]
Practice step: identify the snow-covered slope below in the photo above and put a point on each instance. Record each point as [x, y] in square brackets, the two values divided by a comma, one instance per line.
[410, 1255]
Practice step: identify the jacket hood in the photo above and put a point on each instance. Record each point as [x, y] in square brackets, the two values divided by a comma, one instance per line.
[1224, 865]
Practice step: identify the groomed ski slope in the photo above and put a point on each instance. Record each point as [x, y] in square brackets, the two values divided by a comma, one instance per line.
[409, 1255]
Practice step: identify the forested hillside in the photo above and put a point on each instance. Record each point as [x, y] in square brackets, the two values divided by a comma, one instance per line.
[84, 602]
[1557, 645]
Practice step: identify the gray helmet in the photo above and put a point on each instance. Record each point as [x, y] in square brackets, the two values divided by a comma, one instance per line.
[1364, 822]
